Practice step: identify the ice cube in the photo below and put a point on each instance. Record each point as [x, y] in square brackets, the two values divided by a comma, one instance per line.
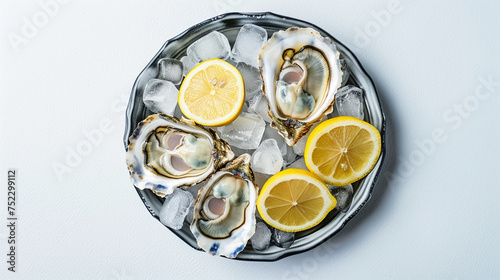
[262, 237]
[171, 70]
[248, 43]
[245, 107]
[190, 214]
[282, 239]
[212, 45]
[267, 158]
[349, 102]
[343, 195]
[188, 63]
[346, 73]
[272, 133]
[245, 132]
[160, 96]
[258, 105]
[252, 79]
[193, 190]
[299, 164]
[175, 208]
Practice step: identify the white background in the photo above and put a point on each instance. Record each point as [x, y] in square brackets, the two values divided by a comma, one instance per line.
[434, 213]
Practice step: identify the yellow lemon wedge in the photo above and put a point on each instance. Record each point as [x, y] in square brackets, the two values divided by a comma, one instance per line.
[294, 200]
[212, 93]
[342, 150]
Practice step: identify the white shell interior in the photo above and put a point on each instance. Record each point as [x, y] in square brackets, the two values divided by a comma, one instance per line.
[271, 60]
[236, 242]
[142, 176]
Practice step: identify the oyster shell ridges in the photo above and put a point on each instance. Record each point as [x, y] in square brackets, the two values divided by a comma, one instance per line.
[274, 54]
[231, 243]
[143, 176]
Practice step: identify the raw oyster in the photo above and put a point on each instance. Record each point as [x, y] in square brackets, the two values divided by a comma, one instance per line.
[224, 211]
[301, 73]
[165, 153]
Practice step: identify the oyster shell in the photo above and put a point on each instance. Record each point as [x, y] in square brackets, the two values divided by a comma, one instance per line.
[301, 73]
[224, 211]
[165, 153]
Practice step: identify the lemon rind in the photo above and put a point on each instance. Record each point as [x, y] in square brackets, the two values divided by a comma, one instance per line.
[292, 173]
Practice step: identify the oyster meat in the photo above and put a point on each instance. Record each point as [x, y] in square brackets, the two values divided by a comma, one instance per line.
[165, 153]
[301, 73]
[224, 211]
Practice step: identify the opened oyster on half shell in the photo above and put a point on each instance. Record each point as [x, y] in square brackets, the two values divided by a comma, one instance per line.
[165, 153]
[301, 73]
[224, 211]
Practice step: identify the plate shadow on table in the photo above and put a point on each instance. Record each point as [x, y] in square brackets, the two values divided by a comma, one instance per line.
[379, 202]
[385, 181]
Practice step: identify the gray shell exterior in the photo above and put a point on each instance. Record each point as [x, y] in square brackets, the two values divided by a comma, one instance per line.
[232, 245]
[144, 177]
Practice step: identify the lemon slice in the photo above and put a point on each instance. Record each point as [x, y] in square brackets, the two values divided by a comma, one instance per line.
[342, 150]
[212, 94]
[294, 200]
